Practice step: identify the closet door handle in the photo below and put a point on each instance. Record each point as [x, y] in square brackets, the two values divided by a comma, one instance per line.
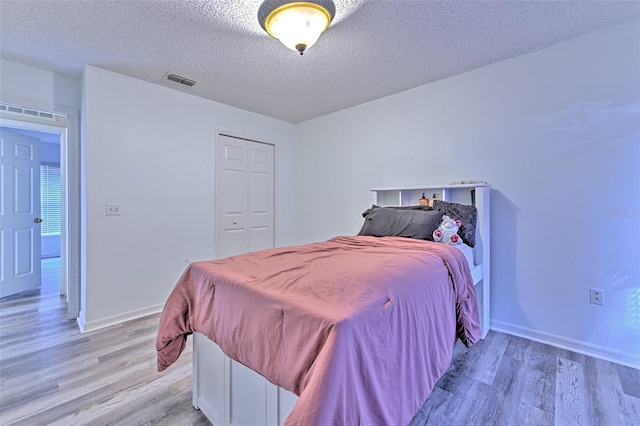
[37, 220]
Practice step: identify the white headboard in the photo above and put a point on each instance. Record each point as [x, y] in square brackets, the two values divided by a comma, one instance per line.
[466, 193]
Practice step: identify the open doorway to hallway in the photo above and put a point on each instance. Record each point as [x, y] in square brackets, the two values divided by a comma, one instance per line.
[31, 186]
[61, 237]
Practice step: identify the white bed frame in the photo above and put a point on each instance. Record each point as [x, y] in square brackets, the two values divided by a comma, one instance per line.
[229, 393]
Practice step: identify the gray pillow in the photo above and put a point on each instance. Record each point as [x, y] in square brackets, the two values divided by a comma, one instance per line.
[408, 223]
[414, 207]
[467, 214]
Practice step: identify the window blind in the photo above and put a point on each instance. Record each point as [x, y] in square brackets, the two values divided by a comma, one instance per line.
[50, 199]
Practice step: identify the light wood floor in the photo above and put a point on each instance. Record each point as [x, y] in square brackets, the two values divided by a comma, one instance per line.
[50, 374]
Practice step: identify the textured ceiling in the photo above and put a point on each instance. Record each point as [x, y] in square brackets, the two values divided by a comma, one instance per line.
[372, 49]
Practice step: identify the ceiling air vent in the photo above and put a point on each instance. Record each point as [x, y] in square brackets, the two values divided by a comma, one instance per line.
[180, 79]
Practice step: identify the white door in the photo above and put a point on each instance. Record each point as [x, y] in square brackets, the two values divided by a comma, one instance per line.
[19, 213]
[245, 197]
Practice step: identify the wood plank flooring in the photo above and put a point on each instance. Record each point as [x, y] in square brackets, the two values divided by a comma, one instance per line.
[50, 374]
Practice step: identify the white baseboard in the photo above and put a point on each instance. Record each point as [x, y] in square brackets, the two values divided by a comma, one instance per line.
[596, 351]
[86, 326]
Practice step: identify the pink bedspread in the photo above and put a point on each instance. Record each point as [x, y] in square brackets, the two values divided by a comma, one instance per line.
[360, 328]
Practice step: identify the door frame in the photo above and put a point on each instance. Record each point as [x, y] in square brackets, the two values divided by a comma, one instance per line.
[69, 190]
[216, 211]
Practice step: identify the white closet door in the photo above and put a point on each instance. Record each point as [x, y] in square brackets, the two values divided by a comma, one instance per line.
[245, 199]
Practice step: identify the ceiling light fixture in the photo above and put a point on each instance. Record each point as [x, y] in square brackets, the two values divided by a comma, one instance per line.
[297, 24]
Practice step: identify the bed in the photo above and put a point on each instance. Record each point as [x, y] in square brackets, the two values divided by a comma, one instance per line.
[314, 335]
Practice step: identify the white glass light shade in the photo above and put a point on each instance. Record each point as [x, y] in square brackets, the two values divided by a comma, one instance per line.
[298, 25]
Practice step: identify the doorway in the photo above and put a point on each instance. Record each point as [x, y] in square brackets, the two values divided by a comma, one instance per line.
[58, 143]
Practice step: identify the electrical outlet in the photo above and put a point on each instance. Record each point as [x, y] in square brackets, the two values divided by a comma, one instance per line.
[113, 209]
[596, 296]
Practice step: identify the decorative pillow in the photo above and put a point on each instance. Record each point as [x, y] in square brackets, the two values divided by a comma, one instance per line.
[414, 207]
[467, 214]
[391, 222]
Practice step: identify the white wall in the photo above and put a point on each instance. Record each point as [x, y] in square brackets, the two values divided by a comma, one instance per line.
[37, 87]
[50, 152]
[557, 135]
[151, 149]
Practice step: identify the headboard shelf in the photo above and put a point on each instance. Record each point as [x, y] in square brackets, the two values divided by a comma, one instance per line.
[460, 193]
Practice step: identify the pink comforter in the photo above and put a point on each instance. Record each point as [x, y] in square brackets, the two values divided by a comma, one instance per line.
[360, 328]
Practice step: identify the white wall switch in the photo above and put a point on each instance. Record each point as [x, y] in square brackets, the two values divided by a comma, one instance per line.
[113, 209]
